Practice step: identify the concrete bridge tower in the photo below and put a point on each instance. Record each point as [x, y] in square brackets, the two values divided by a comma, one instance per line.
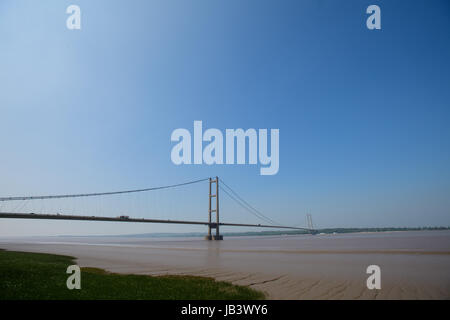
[213, 225]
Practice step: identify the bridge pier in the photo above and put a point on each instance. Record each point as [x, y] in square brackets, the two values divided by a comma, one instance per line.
[213, 225]
[214, 237]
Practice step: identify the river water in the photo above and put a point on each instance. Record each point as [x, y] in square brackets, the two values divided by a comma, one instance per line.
[414, 264]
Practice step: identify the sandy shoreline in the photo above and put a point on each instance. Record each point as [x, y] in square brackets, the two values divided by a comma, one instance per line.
[339, 272]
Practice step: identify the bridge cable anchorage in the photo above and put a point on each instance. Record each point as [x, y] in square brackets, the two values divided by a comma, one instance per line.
[100, 193]
[246, 205]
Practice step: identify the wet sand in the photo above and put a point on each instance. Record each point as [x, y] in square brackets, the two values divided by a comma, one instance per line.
[414, 265]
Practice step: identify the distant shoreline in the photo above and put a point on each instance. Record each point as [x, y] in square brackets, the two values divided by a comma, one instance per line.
[324, 231]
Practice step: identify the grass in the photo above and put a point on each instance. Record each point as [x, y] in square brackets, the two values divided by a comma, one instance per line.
[37, 276]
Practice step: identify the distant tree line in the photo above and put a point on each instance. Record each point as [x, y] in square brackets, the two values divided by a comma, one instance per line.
[332, 230]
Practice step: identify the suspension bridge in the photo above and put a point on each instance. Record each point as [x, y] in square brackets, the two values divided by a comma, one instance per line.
[213, 223]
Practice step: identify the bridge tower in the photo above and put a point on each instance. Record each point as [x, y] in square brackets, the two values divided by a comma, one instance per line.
[310, 224]
[213, 225]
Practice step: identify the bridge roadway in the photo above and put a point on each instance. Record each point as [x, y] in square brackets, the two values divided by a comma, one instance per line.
[122, 219]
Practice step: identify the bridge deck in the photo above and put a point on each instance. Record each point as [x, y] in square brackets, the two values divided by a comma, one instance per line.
[119, 219]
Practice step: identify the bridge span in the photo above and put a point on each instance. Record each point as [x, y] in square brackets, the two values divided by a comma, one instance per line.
[213, 208]
[119, 219]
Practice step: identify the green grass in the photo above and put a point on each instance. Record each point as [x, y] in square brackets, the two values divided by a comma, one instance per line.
[36, 276]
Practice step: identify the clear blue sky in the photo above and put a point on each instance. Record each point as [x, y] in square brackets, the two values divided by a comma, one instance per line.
[363, 115]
